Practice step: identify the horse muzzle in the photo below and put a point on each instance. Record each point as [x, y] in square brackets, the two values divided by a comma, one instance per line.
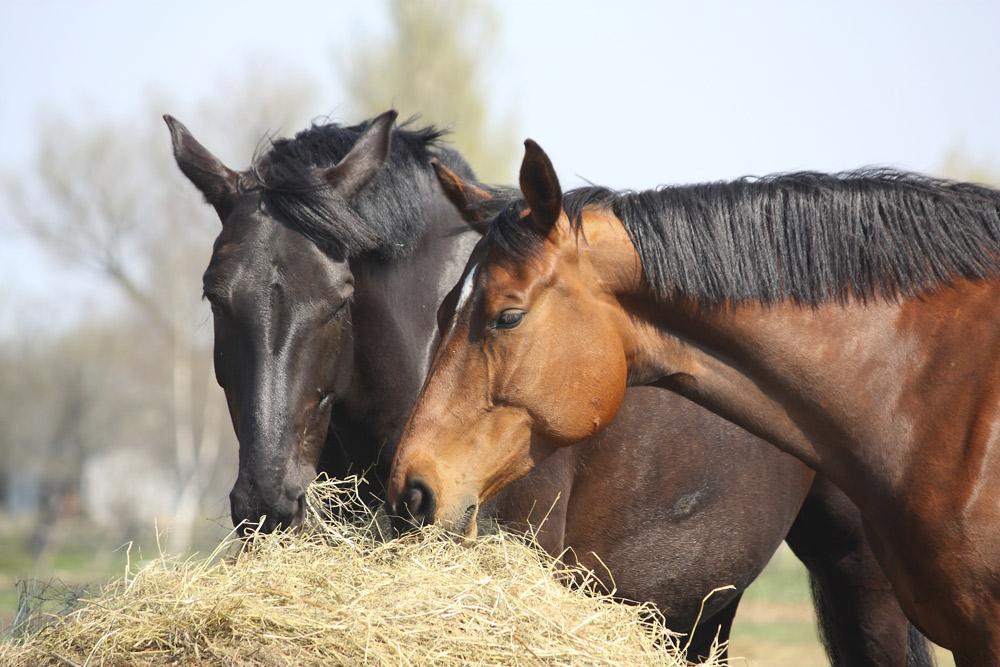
[418, 505]
[254, 509]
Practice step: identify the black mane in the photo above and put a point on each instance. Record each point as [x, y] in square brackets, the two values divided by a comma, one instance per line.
[808, 237]
[384, 219]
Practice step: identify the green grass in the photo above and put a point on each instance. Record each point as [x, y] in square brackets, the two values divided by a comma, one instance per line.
[69, 559]
[8, 602]
[783, 580]
[776, 626]
[68, 555]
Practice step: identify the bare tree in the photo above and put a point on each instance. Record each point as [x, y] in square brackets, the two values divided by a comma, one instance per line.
[434, 63]
[61, 400]
[959, 165]
[109, 198]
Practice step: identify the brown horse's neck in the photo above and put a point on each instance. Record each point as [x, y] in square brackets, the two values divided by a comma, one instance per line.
[897, 403]
[831, 384]
[835, 385]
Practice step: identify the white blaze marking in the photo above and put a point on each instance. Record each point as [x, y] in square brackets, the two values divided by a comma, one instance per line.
[466, 292]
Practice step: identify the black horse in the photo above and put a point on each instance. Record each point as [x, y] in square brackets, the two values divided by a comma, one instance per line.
[337, 247]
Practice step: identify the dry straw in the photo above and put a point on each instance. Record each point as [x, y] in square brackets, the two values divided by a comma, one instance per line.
[337, 594]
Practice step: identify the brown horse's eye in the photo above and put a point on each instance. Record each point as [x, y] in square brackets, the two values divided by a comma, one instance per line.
[508, 319]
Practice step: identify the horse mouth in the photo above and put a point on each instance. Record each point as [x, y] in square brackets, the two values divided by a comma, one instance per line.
[265, 523]
[466, 526]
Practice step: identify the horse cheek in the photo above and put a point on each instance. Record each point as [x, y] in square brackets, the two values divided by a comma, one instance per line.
[610, 393]
[590, 404]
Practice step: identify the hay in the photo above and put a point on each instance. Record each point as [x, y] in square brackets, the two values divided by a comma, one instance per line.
[335, 593]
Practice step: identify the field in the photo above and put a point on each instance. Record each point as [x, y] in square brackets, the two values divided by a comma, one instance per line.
[775, 625]
[72, 556]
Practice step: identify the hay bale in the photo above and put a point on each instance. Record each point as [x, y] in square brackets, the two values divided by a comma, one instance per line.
[336, 593]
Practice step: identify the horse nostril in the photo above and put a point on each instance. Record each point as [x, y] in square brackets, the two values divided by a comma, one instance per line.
[418, 502]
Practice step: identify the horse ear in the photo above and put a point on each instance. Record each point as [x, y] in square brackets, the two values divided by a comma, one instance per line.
[465, 196]
[540, 187]
[216, 181]
[365, 159]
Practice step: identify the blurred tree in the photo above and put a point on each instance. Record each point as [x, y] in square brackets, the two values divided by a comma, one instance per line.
[433, 64]
[108, 197]
[959, 165]
[62, 397]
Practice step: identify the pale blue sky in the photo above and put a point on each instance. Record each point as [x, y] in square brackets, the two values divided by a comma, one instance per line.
[627, 93]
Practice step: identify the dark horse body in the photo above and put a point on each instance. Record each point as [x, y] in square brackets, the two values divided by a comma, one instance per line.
[324, 287]
[853, 320]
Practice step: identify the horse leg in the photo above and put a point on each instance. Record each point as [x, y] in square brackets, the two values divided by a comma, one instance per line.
[860, 618]
[704, 635]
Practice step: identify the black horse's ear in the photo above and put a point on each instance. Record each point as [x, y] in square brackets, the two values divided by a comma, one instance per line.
[465, 196]
[216, 181]
[365, 159]
[540, 187]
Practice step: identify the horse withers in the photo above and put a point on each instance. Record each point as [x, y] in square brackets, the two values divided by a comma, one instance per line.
[850, 319]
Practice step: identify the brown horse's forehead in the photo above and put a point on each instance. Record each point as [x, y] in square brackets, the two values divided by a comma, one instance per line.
[501, 275]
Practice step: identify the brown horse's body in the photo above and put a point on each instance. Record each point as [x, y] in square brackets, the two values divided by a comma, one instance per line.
[899, 406]
[897, 400]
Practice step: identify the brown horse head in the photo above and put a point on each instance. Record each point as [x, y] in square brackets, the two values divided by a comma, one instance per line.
[848, 319]
[503, 393]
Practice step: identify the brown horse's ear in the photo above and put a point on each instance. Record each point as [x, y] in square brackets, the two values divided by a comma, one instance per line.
[216, 181]
[465, 196]
[365, 159]
[540, 187]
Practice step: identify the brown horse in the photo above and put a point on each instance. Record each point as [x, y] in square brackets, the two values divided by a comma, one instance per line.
[852, 320]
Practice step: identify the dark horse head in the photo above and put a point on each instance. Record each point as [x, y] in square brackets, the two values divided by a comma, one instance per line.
[298, 227]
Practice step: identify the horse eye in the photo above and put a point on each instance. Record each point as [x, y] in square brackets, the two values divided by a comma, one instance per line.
[213, 303]
[508, 319]
[342, 308]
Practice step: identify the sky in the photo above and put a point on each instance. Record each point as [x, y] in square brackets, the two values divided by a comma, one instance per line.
[627, 93]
